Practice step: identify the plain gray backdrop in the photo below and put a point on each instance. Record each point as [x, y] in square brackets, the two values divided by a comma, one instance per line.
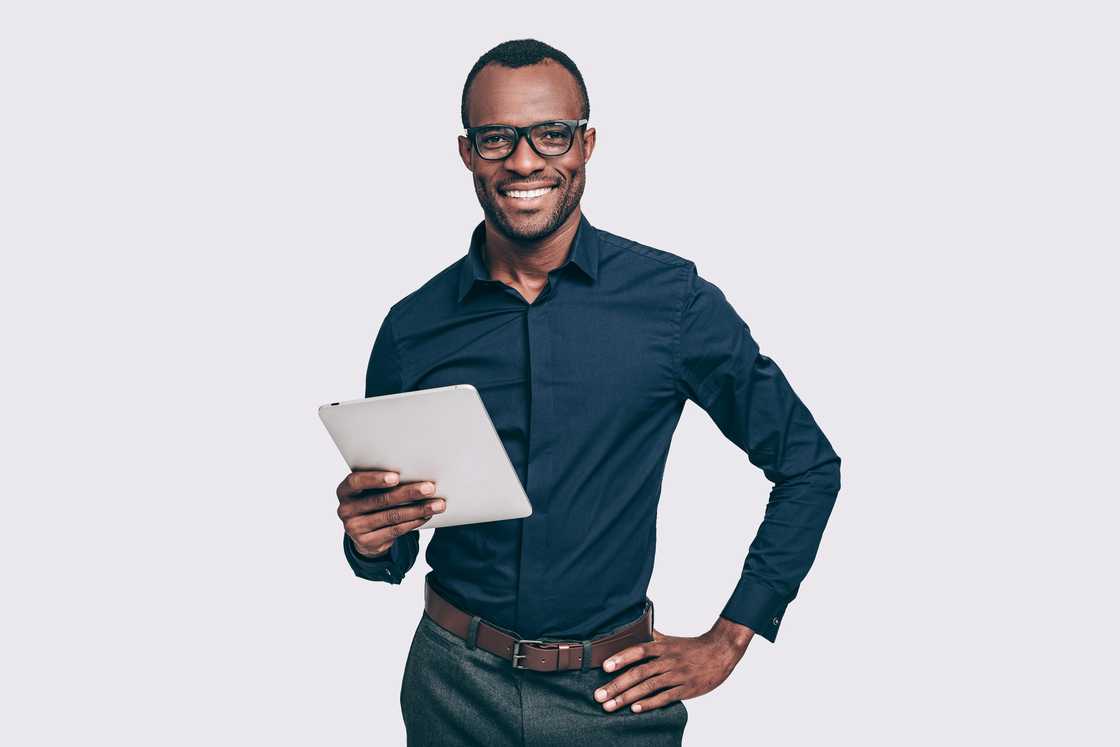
[207, 208]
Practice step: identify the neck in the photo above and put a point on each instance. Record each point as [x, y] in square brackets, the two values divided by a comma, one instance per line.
[527, 264]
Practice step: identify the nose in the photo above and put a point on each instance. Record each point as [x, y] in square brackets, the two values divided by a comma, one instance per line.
[524, 160]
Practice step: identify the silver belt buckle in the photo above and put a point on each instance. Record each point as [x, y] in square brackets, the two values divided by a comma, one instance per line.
[516, 651]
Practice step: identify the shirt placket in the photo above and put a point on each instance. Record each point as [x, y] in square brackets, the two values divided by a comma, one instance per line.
[534, 587]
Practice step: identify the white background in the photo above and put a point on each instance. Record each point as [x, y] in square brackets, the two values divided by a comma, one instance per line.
[208, 207]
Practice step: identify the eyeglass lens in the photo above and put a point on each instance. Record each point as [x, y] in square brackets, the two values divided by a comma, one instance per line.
[552, 139]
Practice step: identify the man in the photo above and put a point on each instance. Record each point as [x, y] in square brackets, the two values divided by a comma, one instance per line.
[584, 347]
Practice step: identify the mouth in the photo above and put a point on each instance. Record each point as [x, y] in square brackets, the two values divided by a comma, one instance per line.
[526, 197]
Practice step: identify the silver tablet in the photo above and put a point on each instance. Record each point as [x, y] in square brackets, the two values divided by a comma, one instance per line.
[442, 434]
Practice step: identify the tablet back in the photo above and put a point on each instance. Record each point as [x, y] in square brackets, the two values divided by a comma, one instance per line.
[442, 434]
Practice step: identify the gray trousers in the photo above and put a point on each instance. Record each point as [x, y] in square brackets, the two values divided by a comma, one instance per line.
[453, 694]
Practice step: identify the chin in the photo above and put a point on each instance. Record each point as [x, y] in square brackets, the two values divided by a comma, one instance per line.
[526, 228]
[530, 232]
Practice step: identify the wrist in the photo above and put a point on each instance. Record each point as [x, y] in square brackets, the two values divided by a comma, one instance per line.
[362, 556]
[735, 635]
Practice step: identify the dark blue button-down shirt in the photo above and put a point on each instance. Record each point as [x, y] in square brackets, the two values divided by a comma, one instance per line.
[585, 386]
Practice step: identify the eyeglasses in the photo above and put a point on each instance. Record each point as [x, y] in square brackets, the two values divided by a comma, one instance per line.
[547, 139]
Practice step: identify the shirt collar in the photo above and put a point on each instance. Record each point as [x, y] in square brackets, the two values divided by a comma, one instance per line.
[584, 254]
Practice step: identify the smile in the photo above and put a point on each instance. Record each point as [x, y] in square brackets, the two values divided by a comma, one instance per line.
[531, 194]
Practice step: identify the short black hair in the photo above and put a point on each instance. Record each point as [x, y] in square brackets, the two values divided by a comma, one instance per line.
[519, 53]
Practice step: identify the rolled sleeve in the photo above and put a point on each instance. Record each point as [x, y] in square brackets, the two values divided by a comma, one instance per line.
[721, 369]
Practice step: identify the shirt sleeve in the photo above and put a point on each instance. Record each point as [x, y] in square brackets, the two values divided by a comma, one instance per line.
[383, 376]
[720, 368]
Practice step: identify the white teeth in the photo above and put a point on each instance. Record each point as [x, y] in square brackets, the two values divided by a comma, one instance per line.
[529, 194]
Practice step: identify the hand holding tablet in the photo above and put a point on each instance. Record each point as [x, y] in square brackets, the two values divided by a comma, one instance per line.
[372, 511]
[442, 435]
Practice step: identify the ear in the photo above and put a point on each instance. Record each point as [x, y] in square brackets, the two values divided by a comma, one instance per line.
[588, 143]
[466, 153]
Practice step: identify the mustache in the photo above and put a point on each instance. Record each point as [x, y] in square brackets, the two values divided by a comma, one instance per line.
[538, 182]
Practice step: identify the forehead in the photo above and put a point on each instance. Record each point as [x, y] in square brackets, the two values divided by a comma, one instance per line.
[523, 95]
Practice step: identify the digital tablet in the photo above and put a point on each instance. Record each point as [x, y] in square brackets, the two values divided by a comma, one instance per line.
[442, 434]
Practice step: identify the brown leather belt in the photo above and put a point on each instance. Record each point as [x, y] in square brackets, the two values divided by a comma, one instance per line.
[541, 656]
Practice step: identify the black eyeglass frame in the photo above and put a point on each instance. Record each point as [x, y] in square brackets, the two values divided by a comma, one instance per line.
[523, 132]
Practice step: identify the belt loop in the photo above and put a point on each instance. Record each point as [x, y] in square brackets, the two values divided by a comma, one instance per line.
[472, 632]
[585, 662]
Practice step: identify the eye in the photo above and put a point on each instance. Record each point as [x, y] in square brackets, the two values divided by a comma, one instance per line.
[494, 138]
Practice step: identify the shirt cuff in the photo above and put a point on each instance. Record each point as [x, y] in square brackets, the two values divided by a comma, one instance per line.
[757, 606]
[381, 569]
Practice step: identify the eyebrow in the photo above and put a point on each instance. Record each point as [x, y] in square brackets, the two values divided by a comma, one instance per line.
[507, 124]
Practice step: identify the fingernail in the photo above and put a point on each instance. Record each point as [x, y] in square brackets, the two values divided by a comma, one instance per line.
[608, 664]
[609, 703]
[600, 694]
[392, 479]
[439, 505]
[427, 488]
[637, 707]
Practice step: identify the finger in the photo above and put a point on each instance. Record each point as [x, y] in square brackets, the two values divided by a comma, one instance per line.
[360, 480]
[630, 655]
[628, 679]
[364, 504]
[380, 540]
[644, 689]
[365, 523]
[663, 698]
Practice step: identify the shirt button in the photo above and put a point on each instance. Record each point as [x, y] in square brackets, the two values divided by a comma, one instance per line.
[775, 621]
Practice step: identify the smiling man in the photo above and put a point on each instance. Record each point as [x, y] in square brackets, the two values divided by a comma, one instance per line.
[585, 347]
